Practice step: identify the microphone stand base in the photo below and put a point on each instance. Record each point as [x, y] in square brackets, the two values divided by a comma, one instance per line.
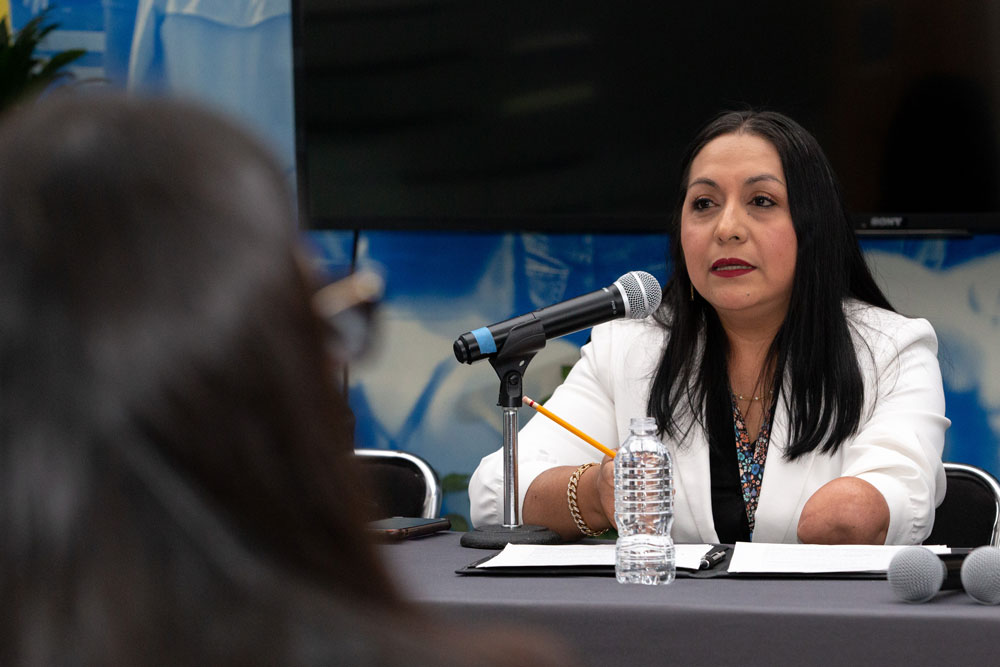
[498, 536]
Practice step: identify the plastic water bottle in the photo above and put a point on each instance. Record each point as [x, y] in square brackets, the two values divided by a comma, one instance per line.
[644, 507]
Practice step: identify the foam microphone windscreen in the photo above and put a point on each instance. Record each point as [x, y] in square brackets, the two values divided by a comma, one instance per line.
[642, 292]
[915, 574]
[981, 575]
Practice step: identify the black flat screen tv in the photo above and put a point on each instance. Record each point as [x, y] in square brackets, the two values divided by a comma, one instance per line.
[545, 115]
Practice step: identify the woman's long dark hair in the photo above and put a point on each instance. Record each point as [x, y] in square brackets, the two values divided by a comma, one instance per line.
[812, 356]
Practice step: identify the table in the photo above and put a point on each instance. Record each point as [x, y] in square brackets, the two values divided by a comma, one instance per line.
[721, 621]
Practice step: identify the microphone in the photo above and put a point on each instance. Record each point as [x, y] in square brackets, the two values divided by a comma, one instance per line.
[635, 295]
[916, 573]
[981, 575]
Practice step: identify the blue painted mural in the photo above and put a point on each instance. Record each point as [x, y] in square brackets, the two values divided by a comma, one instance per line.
[409, 392]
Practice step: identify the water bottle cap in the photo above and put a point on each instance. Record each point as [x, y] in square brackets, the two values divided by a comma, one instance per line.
[643, 424]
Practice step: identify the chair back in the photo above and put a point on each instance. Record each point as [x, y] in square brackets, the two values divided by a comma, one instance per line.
[969, 515]
[402, 484]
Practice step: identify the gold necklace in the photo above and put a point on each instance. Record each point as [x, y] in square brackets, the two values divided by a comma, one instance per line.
[741, 397]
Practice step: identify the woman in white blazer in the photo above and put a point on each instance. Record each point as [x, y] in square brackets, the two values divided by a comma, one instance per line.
[796, 404]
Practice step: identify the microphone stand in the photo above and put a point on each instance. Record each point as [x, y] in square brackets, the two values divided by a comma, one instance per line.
[523, 342]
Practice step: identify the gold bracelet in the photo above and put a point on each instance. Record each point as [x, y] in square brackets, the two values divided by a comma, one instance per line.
[574, 510]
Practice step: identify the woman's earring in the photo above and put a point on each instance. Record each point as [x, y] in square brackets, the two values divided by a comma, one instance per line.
[691, 285]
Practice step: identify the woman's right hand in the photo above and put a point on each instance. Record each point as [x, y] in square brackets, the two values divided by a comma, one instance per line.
[545, 503]
[604, 483]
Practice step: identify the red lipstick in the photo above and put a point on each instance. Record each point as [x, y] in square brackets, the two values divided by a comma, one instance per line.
[731, 267]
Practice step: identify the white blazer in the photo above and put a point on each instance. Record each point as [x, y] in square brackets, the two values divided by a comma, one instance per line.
[897, 447]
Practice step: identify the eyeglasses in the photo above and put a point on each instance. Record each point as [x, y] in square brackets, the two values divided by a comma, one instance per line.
[348, 307]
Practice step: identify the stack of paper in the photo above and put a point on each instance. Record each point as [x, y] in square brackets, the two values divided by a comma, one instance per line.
[554, 555]
[747, 558]
[754, 557]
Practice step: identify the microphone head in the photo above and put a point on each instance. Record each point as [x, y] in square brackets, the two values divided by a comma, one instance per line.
[916, 574]
[642, 294]
[981, 575]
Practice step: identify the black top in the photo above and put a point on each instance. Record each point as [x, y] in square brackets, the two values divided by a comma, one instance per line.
[728, 510]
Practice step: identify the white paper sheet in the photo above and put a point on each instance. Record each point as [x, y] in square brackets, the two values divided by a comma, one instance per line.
[754, 557]
[548, 555]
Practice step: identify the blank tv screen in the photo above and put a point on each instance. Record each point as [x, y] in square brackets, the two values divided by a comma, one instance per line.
[573, 116]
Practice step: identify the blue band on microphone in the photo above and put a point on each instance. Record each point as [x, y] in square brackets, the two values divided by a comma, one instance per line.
[485, 340]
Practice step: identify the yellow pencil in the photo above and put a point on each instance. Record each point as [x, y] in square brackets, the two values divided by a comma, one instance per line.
[569, 427]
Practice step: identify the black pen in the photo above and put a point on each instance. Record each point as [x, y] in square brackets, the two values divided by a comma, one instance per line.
[713, 557]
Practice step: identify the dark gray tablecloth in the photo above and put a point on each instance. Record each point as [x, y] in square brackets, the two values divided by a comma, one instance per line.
[723, 621]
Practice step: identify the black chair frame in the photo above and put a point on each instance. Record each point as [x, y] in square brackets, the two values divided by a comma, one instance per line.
[405, 484]
[969, 515]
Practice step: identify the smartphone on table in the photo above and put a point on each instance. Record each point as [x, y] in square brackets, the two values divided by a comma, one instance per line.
[404, 527]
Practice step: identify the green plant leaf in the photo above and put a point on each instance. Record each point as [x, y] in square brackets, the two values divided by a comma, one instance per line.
[24, 74]
[455, 481]
[50, 70]
[458, 522]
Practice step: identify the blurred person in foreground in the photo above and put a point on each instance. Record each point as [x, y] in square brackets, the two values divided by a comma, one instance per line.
[178, 485]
